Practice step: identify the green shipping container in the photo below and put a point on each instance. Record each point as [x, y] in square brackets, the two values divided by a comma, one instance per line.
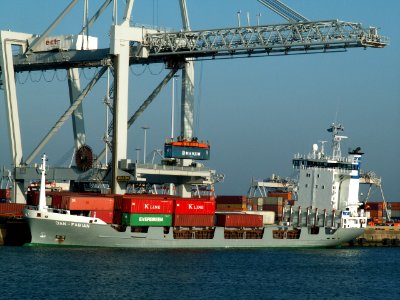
[146, 219]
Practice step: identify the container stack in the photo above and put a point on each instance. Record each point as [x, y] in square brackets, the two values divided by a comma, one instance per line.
[90, 205]
[147, 210]
[231, 203]
[95, 207]
[274, 204]
[377, 213]
[194, 212]
[395, 210]
[286, 196]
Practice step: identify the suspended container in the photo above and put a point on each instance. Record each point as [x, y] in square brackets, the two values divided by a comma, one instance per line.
[187, 149]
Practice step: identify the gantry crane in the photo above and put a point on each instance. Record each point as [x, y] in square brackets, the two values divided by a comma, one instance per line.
[139, 45]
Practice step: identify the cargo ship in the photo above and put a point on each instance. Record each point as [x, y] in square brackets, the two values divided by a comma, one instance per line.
[327, 213]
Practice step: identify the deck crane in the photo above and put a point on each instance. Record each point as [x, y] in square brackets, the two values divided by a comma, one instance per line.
[372, 180]
[139, 45]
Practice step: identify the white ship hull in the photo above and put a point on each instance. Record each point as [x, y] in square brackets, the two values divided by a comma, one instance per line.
[48, 231]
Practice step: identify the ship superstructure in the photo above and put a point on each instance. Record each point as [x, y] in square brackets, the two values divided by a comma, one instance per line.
[329, 181]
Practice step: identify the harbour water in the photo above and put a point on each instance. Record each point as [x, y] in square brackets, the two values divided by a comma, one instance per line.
[85, 273]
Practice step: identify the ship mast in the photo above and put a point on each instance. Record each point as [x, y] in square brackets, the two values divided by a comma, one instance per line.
[42, 196]
[336, 139]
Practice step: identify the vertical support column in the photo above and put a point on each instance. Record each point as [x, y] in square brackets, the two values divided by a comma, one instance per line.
[8, 39]
[78, 123]
[187, 104]
[10, 95]
[120, 50]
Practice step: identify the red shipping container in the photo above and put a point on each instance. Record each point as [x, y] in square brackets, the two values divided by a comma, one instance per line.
[12, 209]
[106, 216]
[194, 220]
[276, 208]
[147, 206]
[118, 202]
[231, 200]
[117, 218]
[56, 200]
[5, 194]
[32, 198]
[239, 220]
[87, 203]
[194, 207]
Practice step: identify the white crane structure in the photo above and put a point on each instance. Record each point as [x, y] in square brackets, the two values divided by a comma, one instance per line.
[138, 45]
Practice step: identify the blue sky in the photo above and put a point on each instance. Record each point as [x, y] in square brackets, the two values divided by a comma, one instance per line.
[255, 112]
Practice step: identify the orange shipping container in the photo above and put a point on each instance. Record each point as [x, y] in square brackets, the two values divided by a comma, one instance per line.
[376, 214]
[284, 195]
[87, 203]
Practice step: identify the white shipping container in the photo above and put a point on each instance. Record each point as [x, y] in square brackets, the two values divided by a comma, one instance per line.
[66, 42]
[267, 200]
[268, 216]
[395, 213]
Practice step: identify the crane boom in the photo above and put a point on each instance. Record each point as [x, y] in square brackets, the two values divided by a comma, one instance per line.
[288, 38]
[270, 39]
